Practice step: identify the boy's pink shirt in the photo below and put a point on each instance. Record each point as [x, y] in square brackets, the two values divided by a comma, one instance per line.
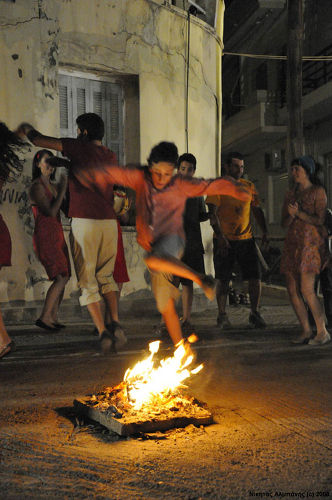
[159, 212]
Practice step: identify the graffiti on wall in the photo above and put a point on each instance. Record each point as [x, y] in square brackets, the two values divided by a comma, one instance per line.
[17, 194]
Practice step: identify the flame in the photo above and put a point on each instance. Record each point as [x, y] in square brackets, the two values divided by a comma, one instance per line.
[145, 383]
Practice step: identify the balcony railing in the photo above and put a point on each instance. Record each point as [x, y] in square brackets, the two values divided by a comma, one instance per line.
[317, 73]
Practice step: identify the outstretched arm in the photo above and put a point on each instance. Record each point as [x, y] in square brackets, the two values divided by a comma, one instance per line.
[222, 185]
[101, 175]
[38, 139]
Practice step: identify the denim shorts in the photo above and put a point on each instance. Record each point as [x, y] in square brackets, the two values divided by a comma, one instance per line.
[162, 283]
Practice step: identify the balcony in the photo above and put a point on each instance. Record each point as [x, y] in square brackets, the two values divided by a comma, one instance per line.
[255, 127]
[317, 90]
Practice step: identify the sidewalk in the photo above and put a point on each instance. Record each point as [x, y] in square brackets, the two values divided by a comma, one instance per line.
[77, 339]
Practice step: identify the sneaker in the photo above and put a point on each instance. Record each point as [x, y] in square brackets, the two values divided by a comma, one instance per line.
[187, 327]
[209, 285]
[160, 331]
[256, 320]
[107, 342]
[119, 335]
[223, 322]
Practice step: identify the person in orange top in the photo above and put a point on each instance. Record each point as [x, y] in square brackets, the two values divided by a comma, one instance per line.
[233, 241]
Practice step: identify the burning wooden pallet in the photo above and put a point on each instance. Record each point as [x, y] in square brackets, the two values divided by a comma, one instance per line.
[149, 398]
[135, 422]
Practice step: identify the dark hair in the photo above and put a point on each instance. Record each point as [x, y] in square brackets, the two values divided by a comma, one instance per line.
[308, 164]
[189, 158]
[36, 172]
[233, 154]
[93, 124]
[10, 164]
[164, 151]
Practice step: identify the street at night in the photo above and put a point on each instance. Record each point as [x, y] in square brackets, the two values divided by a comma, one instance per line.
[165, 249]
[271, 403]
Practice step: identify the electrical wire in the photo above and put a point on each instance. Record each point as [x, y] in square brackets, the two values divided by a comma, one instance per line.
[280, 58]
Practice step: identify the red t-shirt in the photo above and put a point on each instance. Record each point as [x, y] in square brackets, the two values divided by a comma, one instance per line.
[85, 203]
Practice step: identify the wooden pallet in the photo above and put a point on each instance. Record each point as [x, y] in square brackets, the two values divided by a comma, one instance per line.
[129, 425]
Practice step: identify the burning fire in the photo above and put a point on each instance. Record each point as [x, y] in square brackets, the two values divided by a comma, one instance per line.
[147, 384]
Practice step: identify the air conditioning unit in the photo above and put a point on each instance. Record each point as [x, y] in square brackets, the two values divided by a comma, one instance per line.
[275, 161]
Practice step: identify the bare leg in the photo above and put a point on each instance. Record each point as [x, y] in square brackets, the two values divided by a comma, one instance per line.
[52, 299]
[187, 301]
[293, 287]
[222, 291]
[172, 322]
[56, 307]
[97, 314]
[108, 317]
[309, 294]
[175, 266]
[4, 337]
[111, 301]
[255, 289]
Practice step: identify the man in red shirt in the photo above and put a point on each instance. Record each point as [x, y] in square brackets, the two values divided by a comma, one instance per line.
[94, 232]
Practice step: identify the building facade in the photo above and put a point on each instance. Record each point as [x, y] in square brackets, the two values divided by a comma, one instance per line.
[129, 61]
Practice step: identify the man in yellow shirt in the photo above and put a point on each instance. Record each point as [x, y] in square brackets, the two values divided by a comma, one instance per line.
[233, 242]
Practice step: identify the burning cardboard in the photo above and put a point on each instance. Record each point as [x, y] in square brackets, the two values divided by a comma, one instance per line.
[150, 398]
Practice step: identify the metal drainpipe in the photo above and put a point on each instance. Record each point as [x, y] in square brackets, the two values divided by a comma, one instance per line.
[219, 28]
[186, 125]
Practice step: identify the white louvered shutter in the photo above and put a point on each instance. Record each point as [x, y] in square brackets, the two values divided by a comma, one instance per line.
[115, 124]
[66, 106]
[82, 95]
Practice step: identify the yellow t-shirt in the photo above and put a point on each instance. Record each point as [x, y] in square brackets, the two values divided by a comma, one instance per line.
[234, 214]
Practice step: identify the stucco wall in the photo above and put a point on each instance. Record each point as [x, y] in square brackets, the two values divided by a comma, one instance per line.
[106, 38]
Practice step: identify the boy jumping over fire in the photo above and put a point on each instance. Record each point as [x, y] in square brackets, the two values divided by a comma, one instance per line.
[160, 202]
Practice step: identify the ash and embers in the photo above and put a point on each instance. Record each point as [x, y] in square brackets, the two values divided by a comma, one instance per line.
[113, 402]
[152, 393]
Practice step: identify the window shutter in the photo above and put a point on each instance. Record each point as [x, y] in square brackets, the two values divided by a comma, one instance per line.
[66, 112]
[97, 103]
[82, 95]
[80, 89]
[80, 101]
[115, 124]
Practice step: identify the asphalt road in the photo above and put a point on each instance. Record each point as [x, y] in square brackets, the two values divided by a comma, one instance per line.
[271, 402]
